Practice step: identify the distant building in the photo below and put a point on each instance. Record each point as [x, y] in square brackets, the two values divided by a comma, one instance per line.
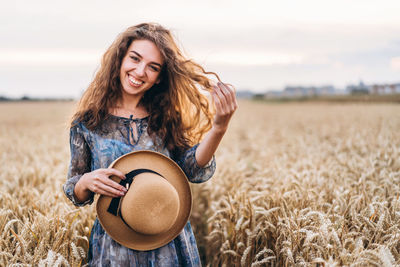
[247, 94]
[273, 94]
[302, 91]
[328, 90]
[298, 91]
[361, 88]
[383, 89]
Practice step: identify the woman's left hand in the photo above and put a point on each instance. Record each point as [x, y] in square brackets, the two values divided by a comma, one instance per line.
[225, 104]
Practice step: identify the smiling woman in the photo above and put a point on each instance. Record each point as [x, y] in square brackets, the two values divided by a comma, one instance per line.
[145, 96]
[140, 68]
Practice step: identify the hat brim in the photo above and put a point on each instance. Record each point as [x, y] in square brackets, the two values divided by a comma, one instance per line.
[117, 229]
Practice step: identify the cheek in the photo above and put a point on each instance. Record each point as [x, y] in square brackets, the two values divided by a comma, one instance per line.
[153, 77]
[122, 75]
[122, 71]
[126, 65]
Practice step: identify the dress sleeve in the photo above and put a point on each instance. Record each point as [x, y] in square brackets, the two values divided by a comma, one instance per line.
[79, 164]
[194, 173]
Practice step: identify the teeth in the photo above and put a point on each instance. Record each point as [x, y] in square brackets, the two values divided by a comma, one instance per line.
[134, 81]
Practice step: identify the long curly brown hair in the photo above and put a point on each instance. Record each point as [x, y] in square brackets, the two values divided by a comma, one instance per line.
[179, 113]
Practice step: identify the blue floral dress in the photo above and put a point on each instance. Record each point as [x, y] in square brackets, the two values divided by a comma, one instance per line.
[91, 150]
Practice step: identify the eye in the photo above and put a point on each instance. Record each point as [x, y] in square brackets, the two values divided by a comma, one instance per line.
[154, 68]
[134, 58]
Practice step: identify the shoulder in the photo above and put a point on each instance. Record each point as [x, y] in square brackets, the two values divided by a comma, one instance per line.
[78, 126]
[102, 127]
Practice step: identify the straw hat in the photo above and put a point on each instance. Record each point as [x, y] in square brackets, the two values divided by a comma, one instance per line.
[156, 207]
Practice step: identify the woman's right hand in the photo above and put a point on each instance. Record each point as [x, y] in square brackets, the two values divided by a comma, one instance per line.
[98, 181]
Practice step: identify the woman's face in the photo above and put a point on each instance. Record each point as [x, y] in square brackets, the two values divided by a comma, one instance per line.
[140, 68]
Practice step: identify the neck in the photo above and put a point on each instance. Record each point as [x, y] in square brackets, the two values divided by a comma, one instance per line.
[130, 102]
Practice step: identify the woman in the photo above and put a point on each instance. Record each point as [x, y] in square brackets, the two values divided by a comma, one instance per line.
[144, 96]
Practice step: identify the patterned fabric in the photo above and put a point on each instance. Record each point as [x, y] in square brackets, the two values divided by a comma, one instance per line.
[91, 150]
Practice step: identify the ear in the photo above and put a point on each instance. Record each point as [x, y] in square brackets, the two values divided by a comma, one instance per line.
[158, 80]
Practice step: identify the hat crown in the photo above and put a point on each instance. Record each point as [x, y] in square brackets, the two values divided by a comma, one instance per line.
[112, 215]
[151, 205]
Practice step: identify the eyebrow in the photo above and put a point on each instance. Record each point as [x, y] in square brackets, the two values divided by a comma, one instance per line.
[139, 55]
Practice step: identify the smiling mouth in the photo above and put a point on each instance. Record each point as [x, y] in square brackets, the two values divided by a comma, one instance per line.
[135, 81]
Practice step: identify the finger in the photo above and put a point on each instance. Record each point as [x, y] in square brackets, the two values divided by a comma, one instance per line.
[233, 93]
[111, 183]
[106, 193]
[226, 91]
[230, 94]
[234, 102]
[217, 102]
[222, 99]
[106, 189]
[213, 84]
[118, 173]
[230, 97]
[231, 87]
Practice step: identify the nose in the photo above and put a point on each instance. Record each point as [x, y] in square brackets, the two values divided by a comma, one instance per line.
[140, 69]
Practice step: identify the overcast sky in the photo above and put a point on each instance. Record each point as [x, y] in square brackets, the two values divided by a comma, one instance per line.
[52, 48]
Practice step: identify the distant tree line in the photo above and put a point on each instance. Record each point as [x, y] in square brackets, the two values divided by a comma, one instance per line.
[28, 98]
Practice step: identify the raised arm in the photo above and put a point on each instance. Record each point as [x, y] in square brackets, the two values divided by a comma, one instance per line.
[225, 103]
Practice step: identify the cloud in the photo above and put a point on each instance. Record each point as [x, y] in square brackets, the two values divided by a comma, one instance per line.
[395, 63]
[44, 57]
[260, 44]
[250, 58]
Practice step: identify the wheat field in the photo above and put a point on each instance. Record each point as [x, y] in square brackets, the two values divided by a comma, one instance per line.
[296, 185]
